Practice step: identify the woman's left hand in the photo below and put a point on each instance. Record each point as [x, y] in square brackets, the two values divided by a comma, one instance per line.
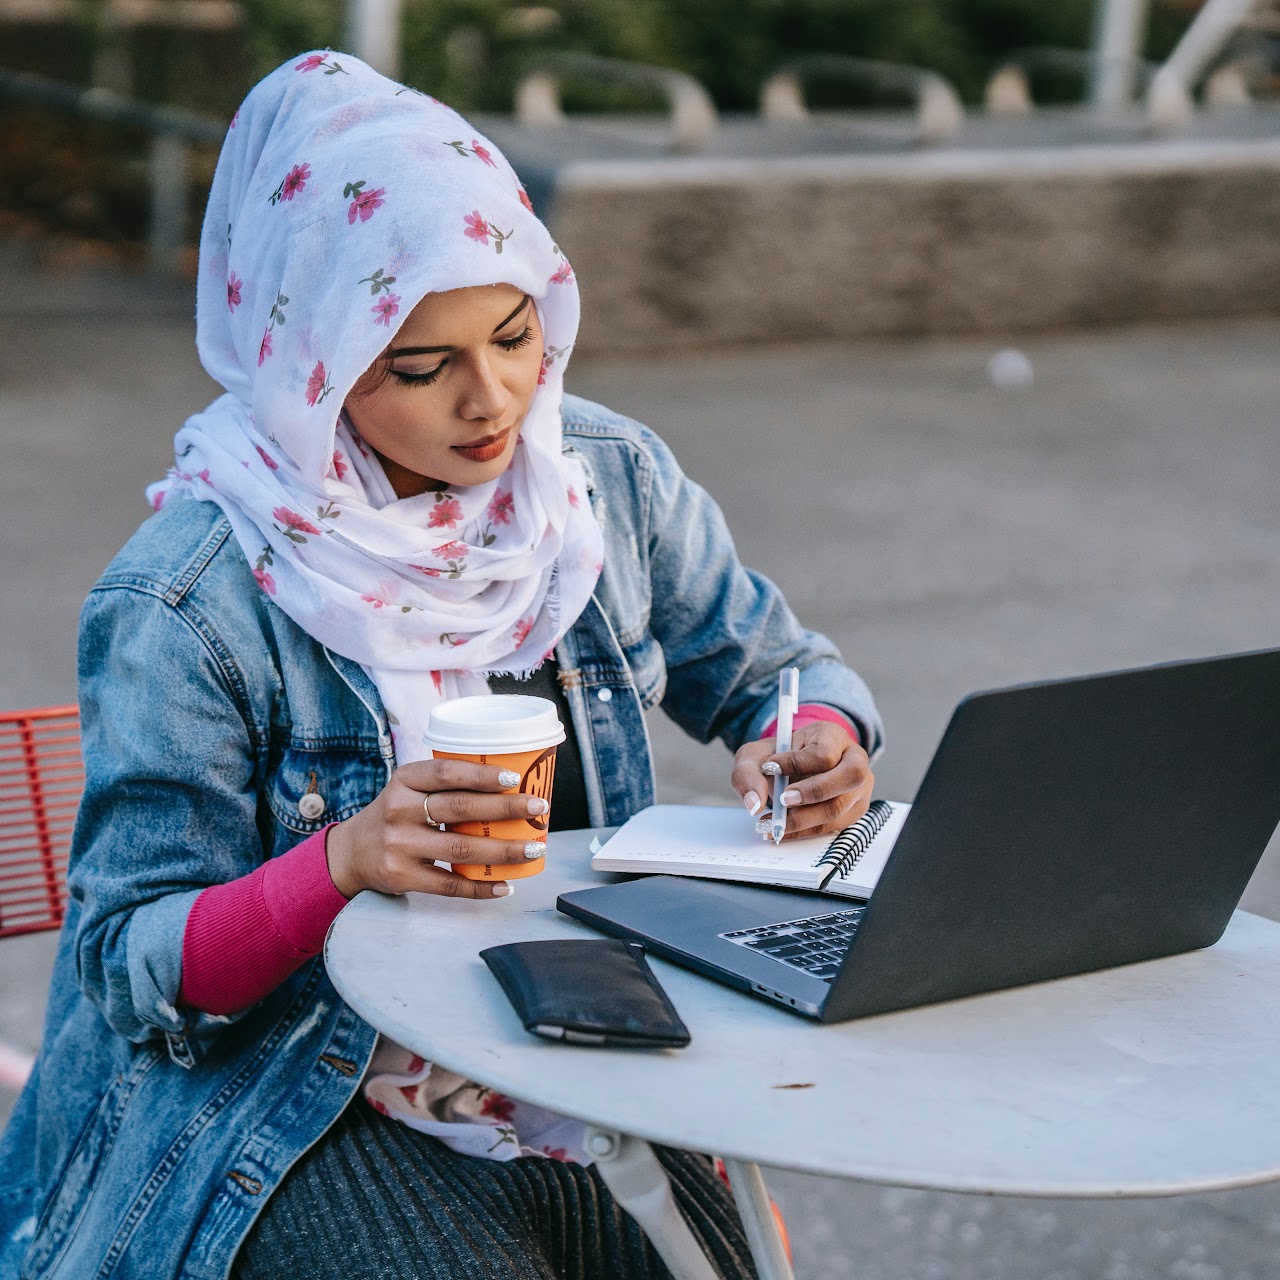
[829, 779]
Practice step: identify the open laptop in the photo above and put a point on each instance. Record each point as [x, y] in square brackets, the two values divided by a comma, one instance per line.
[1061, 827]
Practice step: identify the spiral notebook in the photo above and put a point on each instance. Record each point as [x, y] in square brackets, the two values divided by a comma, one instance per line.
[722, 844]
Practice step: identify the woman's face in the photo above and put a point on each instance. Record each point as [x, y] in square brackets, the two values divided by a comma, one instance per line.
[442, 406]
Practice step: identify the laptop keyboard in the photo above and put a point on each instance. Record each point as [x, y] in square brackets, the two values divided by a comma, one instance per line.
[814, 945]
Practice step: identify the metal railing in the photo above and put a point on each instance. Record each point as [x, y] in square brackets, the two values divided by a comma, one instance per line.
[1169, 99]
[172, 130]
[939, 112]
[1009, 90]
[693, 114]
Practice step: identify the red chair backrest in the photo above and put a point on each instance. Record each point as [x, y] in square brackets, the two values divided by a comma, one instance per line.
[41, 779]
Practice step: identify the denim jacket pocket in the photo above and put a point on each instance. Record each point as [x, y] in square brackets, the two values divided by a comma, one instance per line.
[66, 1206]
[311, 787]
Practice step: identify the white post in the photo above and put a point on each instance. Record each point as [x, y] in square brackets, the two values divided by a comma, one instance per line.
[1169, 98]
[373, 33]
[1119, 37]
[640, 1185]
[747, 1184]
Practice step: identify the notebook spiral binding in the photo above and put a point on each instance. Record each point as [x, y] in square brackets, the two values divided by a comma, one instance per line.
[848, 848]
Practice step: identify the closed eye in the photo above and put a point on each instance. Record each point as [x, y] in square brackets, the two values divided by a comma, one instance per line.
[419, 379]
[521, 339]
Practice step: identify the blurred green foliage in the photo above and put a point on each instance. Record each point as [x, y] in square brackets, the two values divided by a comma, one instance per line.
[87, 180]
[472, 52]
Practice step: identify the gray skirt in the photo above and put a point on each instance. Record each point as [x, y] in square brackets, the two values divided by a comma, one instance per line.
[376, 1199]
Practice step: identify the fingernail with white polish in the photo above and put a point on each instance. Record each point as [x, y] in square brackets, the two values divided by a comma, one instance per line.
[534, 849]
[752, 802]
[538, 805]
[508, 778]
[771, 768]
[503, 890]
[790, 797]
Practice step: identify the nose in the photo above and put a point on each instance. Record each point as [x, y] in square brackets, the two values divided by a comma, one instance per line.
[485, 397]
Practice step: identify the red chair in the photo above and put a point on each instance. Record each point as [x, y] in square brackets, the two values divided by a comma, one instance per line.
[41, 780]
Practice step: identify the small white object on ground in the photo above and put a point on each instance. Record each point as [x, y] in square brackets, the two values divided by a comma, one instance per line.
[1011, 370]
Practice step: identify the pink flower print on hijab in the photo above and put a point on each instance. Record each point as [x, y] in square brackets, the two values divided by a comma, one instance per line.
[481, 152]
[478, 228]
[234, 285]
[520, 633]
[267, 458]
[446, 513]
[363, 203]
[296, 527]
[292, 182]
[388, 305]
[314, 61]
[385, 308]
[260, 574]
[498, 1106]
[339, 465]
[563, 274]
[318, 384]
[455, 554]
[500, 506]
[276, 317]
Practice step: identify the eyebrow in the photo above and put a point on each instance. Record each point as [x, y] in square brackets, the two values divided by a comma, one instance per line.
[424, 351]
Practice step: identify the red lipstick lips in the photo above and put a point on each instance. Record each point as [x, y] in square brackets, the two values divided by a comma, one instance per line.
[485, 449]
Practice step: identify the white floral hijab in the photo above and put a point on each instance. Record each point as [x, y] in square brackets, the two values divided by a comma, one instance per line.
[340, 200]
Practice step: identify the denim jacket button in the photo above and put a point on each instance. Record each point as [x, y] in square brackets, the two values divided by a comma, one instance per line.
[605, 695]
[311, 806]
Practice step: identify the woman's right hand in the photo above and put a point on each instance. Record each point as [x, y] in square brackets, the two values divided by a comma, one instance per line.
[390, 847]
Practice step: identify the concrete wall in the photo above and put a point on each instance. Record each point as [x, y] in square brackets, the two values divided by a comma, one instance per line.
[720, 250]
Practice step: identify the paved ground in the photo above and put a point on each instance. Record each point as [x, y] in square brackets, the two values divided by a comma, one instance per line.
[948, 535]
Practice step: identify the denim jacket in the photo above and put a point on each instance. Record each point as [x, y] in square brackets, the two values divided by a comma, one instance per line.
[150, 1136]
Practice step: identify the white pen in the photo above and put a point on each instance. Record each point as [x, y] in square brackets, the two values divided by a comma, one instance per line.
[788, 700]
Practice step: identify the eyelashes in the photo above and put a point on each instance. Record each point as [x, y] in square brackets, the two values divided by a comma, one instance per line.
[418, 379]
[521, 339]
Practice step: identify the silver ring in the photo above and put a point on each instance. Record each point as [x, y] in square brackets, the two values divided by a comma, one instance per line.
[431, 822]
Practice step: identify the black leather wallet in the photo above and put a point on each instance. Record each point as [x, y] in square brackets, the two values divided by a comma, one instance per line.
[587, 991]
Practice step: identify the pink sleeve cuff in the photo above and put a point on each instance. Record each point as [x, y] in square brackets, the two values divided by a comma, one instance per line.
[811, 713]
[244, 938]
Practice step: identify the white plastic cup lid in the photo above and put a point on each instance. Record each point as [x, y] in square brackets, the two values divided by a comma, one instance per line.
[494, 724]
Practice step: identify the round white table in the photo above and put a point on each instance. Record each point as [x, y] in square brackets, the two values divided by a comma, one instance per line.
[1153, 1079]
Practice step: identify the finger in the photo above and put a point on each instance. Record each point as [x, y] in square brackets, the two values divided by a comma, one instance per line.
[747, 779]
[455, 775]
[454, 847]
[478, 806]
[851, 773]
[821, 753]
[448, 884]
[828, 815]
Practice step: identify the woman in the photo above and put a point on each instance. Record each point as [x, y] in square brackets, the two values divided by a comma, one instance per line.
[393, 503]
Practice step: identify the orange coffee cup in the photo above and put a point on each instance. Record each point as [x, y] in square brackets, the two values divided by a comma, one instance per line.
[513, 731]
